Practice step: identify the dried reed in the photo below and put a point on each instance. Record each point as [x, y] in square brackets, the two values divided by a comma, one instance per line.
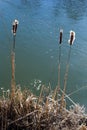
[71, 40]
[25, 112]
[60, 42]
[13, 83]
[59, 62]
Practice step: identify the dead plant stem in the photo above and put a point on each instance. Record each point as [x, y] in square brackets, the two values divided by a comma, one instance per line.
[65, 80]
[13, 84]
[21, 118]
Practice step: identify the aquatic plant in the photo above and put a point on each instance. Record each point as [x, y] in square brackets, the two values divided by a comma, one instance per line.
[13, 83]
[60, 42]
[70, 41]
[59, 62]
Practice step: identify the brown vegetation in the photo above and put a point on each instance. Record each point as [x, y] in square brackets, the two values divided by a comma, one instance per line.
[29, 112]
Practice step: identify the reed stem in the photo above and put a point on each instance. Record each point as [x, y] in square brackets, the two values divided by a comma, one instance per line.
[59, 68]
[13, 83]
[65, 79]
[59, 60]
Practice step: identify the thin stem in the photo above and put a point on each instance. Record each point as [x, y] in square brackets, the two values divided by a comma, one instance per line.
[13, 69]
[59, 61]
[25, 116]
[77, 90]
[65, 79]
[14, 37]
[67, 96]
[67, 69]
[59, 67]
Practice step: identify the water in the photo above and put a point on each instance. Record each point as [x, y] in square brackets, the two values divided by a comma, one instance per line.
[37, 43]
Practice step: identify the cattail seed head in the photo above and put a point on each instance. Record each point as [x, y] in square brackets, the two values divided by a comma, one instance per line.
[14, 26]
[72, 37]
[61, 35]
[16, 21]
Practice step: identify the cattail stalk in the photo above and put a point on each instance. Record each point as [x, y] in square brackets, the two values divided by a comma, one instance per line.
[13, 83]
[59, 61]
[60, 42]
[65, 81]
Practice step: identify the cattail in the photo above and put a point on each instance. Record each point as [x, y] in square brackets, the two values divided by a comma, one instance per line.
[71, 41]
[13, 84]
[72, 37]
[61, 35]
[59, 59]
[60, 41]
[14, 26]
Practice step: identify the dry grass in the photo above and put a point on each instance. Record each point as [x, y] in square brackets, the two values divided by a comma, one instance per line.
[29, 112]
